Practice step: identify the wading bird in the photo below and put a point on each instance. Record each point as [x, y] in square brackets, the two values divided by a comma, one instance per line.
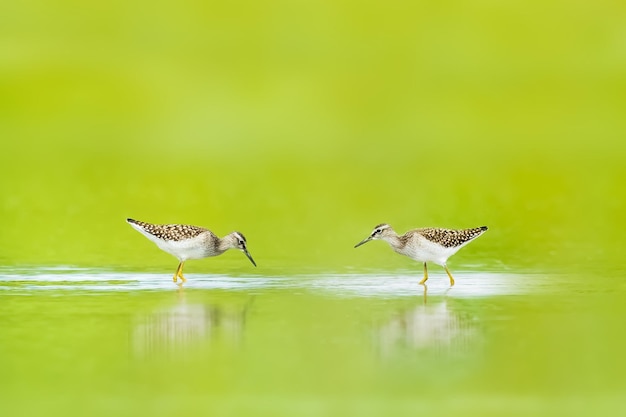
[429, 244]
[189, 242]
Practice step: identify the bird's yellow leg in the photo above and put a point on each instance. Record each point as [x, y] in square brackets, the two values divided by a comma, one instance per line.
[180, 272]
[180, 266]
[449, 274]
[425, 275]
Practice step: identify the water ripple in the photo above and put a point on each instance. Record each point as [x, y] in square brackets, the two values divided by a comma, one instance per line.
[469, 284]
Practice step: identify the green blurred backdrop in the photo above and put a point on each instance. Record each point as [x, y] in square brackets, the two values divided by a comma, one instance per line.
[305, 123]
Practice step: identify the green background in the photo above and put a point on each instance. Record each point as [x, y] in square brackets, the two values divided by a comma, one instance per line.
[303, 124]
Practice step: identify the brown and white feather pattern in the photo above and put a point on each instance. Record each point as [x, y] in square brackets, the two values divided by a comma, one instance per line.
[189, 242]
[181, 240]
[450, 238]
[432, 244]
[174, 232]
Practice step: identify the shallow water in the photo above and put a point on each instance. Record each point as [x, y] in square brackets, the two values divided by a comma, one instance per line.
[83, 280]
[93, 342]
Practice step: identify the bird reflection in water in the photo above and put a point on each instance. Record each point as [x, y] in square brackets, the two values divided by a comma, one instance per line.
[431, 326]
[173, 330]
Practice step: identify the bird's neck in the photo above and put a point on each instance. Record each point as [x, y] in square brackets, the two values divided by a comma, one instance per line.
[224, 244]
[395, 242]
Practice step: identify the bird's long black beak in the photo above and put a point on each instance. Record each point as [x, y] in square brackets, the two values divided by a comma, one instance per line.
[367, 239]
[245, 250]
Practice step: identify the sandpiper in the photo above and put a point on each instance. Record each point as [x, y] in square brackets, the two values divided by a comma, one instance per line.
[429, 244]
[189, 242]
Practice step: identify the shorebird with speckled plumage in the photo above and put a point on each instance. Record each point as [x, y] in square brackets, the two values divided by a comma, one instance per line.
[189, 242]
[429, 244]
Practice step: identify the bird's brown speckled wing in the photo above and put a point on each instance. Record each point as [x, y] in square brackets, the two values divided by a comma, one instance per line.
[451, 238]
[175, 232]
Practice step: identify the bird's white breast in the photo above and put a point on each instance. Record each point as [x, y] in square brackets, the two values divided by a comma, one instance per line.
[194, 248]
[423, 250]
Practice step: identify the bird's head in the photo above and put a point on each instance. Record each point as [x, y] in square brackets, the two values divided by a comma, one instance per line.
[237, 240]
[380, 232]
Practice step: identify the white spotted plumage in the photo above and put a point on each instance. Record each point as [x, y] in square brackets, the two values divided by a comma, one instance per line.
[427, 244]
[189, 242]
[196, 247]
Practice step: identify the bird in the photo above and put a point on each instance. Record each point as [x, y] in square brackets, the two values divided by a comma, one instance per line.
[429, 244]
[189, 242]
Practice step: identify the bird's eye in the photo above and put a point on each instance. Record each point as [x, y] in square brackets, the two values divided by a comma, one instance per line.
[241, 242]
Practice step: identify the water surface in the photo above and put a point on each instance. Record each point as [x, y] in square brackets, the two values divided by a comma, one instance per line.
[79, 341]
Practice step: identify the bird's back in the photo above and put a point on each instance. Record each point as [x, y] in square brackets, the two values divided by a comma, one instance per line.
[181, 240]
[167, 232]
[432, 244]
[450, 238]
